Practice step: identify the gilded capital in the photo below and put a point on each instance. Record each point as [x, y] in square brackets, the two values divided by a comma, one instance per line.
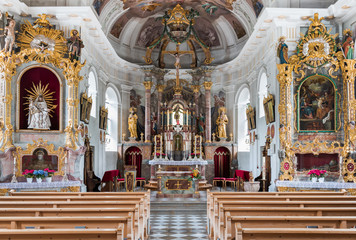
[207, 85]
[160, 88]
[148, 84]
[196, 88]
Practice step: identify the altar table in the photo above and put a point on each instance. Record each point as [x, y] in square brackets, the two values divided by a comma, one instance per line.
[292, 186]
[70, 186]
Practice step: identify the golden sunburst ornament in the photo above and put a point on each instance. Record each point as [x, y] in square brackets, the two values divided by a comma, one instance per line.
[42, 37]
[41, 90]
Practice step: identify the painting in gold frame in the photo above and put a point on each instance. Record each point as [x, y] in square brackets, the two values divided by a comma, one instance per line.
[251, 117]
[103, 120]
[268, 105]
[85, 107]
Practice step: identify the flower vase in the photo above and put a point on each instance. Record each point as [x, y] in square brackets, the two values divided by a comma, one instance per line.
[29, 180]
[314, 179]
[322, 179]
[48, 179]
[196, 186]
[39, 180]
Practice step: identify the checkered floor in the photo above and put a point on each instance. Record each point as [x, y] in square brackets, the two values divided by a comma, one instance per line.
[181, 225]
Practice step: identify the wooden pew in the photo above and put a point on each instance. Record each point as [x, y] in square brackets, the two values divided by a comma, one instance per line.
[63, 234]
[93, 222]
[284, 222]
[140, 223]
[294, 234]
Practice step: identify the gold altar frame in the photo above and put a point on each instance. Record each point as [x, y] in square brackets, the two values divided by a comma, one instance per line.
[60, 153]
[18, 85]
[297, 64]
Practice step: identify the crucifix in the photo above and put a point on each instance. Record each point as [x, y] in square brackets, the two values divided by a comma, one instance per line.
[178, 184]
[177, 54]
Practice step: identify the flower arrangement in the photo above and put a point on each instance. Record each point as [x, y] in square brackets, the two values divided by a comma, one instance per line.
[40, 173]
[28, 173]
[50, 173]
[158, 154]
[195, 175]
[316, 173]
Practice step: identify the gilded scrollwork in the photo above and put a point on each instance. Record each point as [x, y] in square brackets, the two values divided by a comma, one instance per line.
[40, 143]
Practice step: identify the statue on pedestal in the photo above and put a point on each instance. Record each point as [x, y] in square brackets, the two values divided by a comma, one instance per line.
[132, 120]
[348, 45]
[75, 45]
[221, 122]
[9, 33]
[282, 51]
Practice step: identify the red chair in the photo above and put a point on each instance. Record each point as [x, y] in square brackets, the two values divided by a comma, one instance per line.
[219, 179]
[232, 181]
[109, 179]
[241, 176]
[141, 180]
[120, 181]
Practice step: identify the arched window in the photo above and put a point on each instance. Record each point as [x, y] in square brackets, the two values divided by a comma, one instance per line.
[111, 103]
[242, 131]
[262, 93]
[92, 92]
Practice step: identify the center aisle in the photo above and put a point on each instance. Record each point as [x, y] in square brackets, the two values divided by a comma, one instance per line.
[178, 218]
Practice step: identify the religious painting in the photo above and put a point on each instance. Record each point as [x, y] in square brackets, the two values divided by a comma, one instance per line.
[150, 31]
[39, 100]
[119, 25]
[268, 106]
[316, 105]
[103, 118]
[251, 117]
[85, 107]
[236, 25]
[256, 5]
[40, 160]
[99, 5]
[158, 144]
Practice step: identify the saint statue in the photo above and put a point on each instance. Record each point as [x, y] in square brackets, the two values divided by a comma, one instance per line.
[201, 124]
[133, 123]
[39, 162]
[221, 122]
[75, 44]
[10, 34]
[38, 117]
[282, 51]
[348, 45]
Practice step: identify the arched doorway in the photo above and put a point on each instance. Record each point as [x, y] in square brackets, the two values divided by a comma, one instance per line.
[133, 157]
[222, 162]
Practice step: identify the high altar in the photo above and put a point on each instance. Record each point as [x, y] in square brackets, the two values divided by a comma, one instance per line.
[177, 130]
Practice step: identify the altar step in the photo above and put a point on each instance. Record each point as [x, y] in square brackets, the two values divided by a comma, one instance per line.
[179, 206]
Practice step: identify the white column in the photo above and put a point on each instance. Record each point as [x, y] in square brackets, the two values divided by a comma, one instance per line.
[125, 107]
[229, 104]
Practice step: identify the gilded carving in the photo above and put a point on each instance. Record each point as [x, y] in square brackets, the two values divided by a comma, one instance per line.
[30, 148]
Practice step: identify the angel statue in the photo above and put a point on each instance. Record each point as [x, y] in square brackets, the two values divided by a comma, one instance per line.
[75, 44]
[282, 51]
[133, 123]
[221, 122]
[38, 117]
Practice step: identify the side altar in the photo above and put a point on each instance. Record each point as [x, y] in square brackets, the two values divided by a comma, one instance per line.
[173, 177]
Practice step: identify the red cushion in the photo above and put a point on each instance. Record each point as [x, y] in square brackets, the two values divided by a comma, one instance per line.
[219, 178]
[231, 179]
[121, 179]
[141, 178]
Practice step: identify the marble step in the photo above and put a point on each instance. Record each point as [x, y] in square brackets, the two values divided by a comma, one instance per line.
[178, 206]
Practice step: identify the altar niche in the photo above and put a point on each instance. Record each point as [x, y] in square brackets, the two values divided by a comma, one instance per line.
[39, 100]
[177, 127]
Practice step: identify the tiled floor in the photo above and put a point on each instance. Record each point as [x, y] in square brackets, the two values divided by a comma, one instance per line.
[178, 225]
[175, 219]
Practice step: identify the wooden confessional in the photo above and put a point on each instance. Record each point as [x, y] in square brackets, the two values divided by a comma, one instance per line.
[90, 179]
[265, 176]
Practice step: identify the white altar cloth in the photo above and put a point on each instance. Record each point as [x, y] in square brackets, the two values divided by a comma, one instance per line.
[316, 185]
[178, 163]
[42, 185]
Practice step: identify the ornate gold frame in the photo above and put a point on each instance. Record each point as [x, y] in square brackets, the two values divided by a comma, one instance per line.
[18, 85]
[60, 152]
[297, 64]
